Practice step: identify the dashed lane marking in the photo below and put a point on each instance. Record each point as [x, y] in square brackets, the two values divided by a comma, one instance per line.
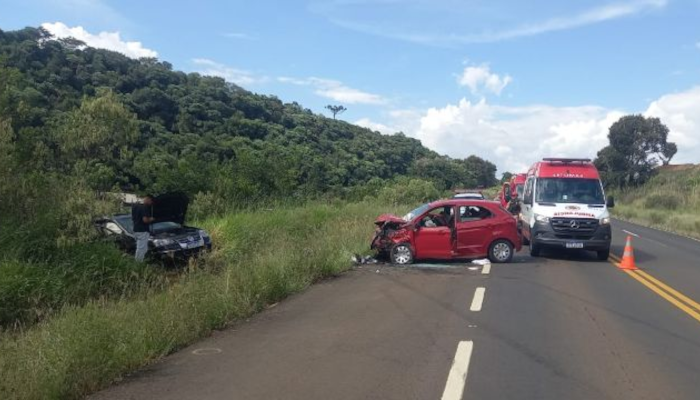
[630, 233]
[486, 270]
[478, 299]
[457, 379]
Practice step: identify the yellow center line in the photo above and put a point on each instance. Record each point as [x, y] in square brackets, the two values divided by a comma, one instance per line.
[658, 287]
[690, 302]
[663, 294]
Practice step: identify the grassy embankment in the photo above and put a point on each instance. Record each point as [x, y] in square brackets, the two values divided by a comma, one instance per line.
[261, 257]
[669, 201]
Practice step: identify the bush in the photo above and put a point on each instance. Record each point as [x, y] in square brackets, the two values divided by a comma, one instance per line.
[409, 191]
[667, 201]
[657, 218]
[207, 205]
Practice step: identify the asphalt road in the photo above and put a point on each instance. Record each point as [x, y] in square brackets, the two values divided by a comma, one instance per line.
[563, 326]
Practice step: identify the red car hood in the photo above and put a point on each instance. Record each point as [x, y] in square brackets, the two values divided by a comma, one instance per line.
[384, 218]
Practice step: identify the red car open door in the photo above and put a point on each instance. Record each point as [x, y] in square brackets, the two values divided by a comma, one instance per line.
[434, 237]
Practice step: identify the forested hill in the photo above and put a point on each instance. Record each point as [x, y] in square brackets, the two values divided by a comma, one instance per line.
[119, 123]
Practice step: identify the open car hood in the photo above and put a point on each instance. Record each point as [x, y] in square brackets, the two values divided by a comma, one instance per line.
[384, 218]
[171, 207]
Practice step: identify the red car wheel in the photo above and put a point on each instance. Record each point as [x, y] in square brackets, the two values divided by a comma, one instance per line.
[401, 254]
[501, 251]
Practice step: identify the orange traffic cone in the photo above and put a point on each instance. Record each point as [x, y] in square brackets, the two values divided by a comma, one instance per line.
[628, 256]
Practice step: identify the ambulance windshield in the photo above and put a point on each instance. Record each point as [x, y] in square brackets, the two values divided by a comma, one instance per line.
[569, 190]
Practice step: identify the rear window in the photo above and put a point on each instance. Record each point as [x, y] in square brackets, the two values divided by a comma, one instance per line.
[473, 213]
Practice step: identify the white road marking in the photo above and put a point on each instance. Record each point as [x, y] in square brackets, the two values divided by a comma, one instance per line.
[486, 270]
[457, 379]
[206, 351]
[645, 238]
[630, 233]
[478, 299]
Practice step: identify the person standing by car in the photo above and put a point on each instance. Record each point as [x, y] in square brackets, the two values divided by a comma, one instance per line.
[142, 218]
[514, 205]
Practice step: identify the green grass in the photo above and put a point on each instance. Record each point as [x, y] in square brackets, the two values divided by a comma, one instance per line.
[670, 201]
[261, 257]
[33, 290]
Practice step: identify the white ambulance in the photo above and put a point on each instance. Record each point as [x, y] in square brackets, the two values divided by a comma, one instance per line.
[564, 206]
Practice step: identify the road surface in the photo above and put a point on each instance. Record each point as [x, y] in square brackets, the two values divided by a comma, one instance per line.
[562, 326]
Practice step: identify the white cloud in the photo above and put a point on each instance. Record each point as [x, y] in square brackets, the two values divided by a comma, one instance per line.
[375, 126]
[103, 40]
[681, 114]
[514, 137]
[591, 16]
[238, 76]
[336, 90]
[479, 78]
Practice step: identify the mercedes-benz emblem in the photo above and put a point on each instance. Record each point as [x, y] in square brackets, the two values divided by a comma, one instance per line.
[573, 224]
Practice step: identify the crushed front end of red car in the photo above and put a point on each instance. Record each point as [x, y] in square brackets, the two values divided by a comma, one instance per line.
[390, 229]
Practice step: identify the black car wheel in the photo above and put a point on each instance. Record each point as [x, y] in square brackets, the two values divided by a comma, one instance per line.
[401, 254]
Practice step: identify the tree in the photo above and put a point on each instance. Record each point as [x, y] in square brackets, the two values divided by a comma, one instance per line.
[506, 177]
[95, 139]
[637, 145]
[109, 120]
[483, 171]
[336, 109]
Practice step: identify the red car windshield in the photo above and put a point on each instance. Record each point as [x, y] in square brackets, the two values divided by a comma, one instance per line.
[414, 213]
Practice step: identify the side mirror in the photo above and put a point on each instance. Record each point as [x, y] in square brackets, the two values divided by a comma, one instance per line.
[611, 202]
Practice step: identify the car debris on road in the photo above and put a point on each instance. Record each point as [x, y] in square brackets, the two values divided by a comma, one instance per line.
[358, 259]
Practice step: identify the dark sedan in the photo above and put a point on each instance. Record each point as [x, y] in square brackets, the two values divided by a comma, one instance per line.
[170, 238]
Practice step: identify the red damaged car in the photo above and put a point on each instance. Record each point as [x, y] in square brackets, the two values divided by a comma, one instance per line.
[448, 229]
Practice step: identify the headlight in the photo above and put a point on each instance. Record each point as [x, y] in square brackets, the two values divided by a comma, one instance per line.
[204, 234]
[541, 218]
[605, 221]
[163, 242]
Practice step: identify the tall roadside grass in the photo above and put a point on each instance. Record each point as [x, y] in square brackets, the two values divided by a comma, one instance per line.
[261, 257]
[669, 201]
[34, 290]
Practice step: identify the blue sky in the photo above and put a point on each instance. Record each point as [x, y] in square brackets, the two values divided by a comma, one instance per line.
[497, 78]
